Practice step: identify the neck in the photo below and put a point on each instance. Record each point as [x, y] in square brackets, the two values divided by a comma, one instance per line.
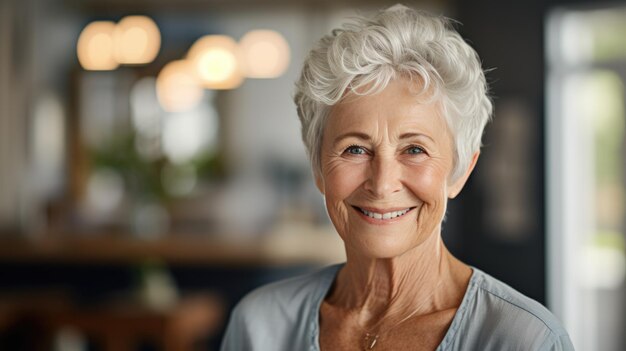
[424, 280]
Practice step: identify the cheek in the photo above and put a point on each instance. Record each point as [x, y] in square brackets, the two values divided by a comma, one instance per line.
[430, 187]
[341, 180]
[429, 184]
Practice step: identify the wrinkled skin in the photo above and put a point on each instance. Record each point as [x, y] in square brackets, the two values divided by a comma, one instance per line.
[385, 153]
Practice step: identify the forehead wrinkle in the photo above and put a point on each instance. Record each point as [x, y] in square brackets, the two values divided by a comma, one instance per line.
[395, 130]
[386, 120]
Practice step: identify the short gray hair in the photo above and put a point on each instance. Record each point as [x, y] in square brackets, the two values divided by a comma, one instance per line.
[397, 42]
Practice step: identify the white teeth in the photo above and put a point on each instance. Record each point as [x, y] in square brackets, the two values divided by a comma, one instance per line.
[388, 215]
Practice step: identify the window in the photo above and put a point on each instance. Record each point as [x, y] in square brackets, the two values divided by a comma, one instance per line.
[586, 174]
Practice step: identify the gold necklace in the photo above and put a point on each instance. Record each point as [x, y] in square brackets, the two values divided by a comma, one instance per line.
[371, 339]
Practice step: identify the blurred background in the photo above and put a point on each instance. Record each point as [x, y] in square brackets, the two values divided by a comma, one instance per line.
[152, 173]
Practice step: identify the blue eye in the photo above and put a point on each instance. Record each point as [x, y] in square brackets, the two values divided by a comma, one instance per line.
[414, 150]
[355, 150]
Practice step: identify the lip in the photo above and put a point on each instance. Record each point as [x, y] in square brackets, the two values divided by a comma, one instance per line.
[385, 210]
[378, 210]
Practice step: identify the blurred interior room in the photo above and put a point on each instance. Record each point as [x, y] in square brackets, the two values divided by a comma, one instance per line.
[152, 170]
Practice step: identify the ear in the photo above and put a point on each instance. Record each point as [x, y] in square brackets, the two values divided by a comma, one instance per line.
[455, 188]
[319, 181]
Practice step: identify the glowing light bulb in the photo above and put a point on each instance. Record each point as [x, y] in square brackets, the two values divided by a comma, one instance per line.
[217, 61]
[265, 54]
[95, 47]
[137, 40]
[216, 65]
[178, 88]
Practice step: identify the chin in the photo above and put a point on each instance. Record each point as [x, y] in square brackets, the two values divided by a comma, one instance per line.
[383, 247]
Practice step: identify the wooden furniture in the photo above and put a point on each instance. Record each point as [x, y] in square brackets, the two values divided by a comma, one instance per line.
[122, 326]
[283, 247]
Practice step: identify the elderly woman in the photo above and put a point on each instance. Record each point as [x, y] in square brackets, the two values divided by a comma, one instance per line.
[392, 110]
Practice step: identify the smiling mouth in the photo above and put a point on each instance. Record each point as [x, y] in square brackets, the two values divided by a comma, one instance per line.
[386, 215]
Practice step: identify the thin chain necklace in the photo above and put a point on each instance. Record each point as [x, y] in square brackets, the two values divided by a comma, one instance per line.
[371, 339]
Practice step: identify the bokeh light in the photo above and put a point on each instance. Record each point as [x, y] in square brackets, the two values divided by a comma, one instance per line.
[48, 144]
[217, 61]
[178, 87]
[137, 40]
[146, 113]
[265, 54]
[105, 191]
[188, 134]
[147, 118]
[96, 46]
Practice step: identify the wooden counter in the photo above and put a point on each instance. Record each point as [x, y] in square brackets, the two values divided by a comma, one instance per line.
[285, 246]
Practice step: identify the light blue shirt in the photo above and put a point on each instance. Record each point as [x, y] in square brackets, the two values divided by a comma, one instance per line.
[284, 316]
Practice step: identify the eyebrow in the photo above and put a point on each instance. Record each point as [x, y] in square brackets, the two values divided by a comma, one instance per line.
[366, 137]
[415, 135]
[357, 135]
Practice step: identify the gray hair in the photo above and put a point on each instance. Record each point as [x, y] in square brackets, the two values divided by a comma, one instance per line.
[397, 42]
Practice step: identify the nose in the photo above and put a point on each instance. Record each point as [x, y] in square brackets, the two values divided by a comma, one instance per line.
[384, 176]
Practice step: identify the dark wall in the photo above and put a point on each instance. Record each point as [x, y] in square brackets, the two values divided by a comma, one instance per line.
[509, 37]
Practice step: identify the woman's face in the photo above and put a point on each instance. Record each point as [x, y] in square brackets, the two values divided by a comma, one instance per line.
[386, 159]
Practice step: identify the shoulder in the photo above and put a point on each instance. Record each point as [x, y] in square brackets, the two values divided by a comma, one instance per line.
[287, 296]
[277, 315]
[499, 298]
[497, 316]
